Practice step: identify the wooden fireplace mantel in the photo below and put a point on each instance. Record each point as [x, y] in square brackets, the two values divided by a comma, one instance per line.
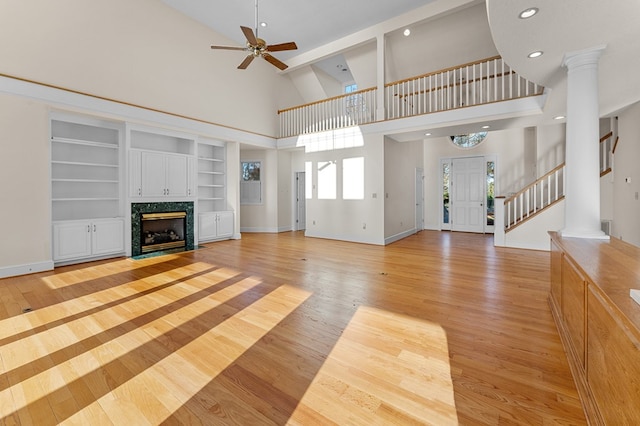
[599, 323]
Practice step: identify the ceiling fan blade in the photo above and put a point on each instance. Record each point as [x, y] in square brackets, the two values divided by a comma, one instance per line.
[248, 33]
[228, 48]
[246, 62]
[274, 61]
[282, 46]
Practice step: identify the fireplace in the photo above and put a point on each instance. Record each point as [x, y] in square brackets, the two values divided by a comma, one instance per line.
[162, 231]
[161, 226]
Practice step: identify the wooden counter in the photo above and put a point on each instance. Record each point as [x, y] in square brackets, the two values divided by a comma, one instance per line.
[599, 323]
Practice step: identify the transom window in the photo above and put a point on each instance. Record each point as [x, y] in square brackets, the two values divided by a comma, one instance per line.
[469, 140]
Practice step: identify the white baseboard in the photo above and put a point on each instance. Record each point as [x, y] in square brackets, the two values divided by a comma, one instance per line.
[259, 230]
[30, 268]
[399, 236]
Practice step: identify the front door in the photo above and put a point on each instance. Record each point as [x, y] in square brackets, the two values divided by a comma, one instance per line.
[468, 194]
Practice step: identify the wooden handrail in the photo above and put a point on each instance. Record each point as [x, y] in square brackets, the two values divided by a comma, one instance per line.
[443, 70]
[615, 145]
[514, 196]
[346, 95]
[605, 137]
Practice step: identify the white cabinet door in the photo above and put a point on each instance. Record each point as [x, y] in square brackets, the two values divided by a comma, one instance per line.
[71, 240]
[212, 225]
[225, 224]
[85, 238]
[135, 174]
[192, 176]
[107, 236]
[177, 176]
[153, 174]
[207, 226]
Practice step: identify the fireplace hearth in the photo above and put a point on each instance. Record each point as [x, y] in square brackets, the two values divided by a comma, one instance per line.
[161, 226]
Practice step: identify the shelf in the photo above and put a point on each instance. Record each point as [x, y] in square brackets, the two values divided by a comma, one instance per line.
[85, 170]
[211, 186]
[202, 172]
[215, 160]
[77, 163]
[84, 142]
[211, 199]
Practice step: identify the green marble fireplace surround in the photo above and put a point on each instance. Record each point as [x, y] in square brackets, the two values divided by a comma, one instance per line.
[137, 209]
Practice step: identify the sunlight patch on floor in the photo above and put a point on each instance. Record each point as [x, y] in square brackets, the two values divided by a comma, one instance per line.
[385, 367]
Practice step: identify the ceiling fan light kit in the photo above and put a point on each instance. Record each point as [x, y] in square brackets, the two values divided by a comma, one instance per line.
[257, 47]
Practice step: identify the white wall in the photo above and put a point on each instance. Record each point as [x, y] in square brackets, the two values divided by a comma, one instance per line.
[262, 217]
[350, 220]
[551, 145]
[451, 40]
[24, 184]
[401, 160]
[307, 84]
[626, 210]
[285, 191]
[143, 53]
[362, 62]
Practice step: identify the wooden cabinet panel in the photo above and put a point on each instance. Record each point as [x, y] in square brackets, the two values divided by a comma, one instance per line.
[573, 306]
[556, 276]
[613, 370]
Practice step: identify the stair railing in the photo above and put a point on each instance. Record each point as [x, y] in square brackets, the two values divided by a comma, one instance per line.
[544, 192]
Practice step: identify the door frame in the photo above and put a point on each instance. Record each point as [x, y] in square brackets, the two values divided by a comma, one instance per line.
[297, 200]
[419, 199]
[449, 160]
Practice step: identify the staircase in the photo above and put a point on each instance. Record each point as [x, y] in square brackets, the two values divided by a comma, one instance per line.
[539, 199]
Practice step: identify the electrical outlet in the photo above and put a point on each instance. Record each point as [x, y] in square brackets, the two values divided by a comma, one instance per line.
[364, 225]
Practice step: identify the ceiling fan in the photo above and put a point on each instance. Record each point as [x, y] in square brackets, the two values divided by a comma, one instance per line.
[258, 47]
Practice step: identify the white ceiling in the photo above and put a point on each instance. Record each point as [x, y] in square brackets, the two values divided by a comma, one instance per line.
[309, 23]
[562, 26]
[567, 26]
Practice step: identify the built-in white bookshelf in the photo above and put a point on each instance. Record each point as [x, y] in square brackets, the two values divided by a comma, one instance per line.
[212, 187]
[85, 171]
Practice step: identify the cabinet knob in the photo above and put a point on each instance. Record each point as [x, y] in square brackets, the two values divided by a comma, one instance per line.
[88, 228]
[139, 191]
[94, 228]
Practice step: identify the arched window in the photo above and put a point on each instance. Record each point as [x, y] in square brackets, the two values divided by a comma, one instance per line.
[469, 140]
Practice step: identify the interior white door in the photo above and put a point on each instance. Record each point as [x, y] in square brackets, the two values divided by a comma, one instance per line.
[468, 194]
[301, 200]
[419, 199]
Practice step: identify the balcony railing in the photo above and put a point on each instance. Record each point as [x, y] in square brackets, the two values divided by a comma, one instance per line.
[476, 83]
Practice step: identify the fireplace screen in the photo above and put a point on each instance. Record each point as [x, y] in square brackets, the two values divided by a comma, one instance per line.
[162, 231]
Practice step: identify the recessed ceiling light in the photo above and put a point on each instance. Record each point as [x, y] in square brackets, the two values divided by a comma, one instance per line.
[528, 13]
[485, 127]
[263, 24]
[407, 32]
[535, 54]
[558, 117]
[427, 134]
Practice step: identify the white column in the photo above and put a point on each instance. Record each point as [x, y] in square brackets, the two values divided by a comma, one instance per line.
[380, 109]
[582, 172]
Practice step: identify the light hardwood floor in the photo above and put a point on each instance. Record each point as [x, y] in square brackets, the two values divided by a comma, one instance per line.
[438, 328]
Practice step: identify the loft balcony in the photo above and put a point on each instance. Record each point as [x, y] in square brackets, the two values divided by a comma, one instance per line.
[476, 83]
